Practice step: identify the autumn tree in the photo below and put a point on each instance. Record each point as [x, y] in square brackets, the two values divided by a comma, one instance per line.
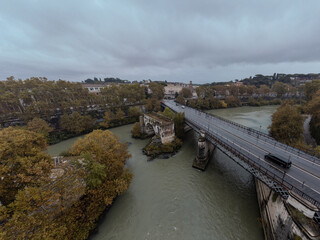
[75, 123]
[39, 125]
[180, 99]
[287, 124]
[186, 92]
[179, 124]
[311, 89]
[233, 101]
[152, 105]
[168, 113]
[23, 162]
[157, 90]
[106, 149]
[280, 88]
[120, 115]
[136, 130]
[108, 117]
[134, 112]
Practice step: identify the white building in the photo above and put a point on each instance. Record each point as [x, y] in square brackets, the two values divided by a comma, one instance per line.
[94, 88]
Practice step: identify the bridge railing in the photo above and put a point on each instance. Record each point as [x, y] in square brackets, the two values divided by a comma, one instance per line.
[313, 154]
[280, 178]
[310, 154]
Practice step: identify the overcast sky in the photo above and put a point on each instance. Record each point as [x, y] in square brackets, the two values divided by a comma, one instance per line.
[174, 40]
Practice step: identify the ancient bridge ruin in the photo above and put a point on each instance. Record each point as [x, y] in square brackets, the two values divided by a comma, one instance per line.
[153, 123]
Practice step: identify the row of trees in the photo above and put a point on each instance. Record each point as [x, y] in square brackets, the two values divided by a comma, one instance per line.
[37, 206]
[279, 88]
[38, 97]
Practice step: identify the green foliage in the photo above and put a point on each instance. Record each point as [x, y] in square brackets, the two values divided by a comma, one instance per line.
[37, 97]
[75, 123]
[179, 124]
[119, 95]
[23, 162]
[311, 89]
[108, 116]
[178, 119]
[287, 124]
[180, 99]
[95, 171]
[119, 115]
[153, 105]
[134, 112]
[186, 92]
[38, 125]
[233, 101]
[168, 113]
[136, 131]
[280, 88]
[155, 149]
[157, 90]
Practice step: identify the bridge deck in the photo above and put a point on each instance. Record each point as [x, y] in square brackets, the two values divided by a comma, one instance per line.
[304, 175]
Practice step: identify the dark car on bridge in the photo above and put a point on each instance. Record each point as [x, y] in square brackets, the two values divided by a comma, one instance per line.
[278, 160]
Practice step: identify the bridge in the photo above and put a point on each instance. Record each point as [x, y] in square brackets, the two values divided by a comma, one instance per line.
[153, 123]
[248, 147]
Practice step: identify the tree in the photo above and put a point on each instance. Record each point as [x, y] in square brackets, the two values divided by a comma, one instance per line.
[264, 90]
[119, 115]
[311, 89]
[23, 162]
[108, 116]
[75, 123]
[280, 88]
[186, 92]
[179, 124]
[233, 101]
[107, 150]
[39, 125]
[134, 112]
[157, 90]
[287, 124]
[168, 113]
[136, 131]
[180, 99]
[153, 105]
[313, 108]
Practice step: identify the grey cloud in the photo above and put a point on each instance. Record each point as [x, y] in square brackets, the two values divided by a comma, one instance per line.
[174, 40]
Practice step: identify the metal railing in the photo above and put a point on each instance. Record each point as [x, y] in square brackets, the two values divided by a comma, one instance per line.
[282, 179]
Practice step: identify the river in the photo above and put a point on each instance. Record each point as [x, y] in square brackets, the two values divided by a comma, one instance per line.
[168, 199]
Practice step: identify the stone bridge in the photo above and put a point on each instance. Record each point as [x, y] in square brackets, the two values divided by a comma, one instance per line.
[153, 123]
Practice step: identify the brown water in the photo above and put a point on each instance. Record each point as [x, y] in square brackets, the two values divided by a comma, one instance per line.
[168, 199]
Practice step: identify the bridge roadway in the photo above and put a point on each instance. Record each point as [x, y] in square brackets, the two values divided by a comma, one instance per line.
[303, 177]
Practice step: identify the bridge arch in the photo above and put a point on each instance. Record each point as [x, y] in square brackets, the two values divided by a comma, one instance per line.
[159, 125]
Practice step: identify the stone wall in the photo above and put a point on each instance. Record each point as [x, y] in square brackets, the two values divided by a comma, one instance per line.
[275, 217]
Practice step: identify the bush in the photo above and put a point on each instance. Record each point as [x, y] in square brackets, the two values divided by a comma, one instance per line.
[136, 131]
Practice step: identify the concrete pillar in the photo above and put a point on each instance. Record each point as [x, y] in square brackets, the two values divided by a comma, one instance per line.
[204, 150]
[142, 126]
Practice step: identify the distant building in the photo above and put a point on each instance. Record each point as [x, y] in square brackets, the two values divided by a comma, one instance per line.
[94, 88]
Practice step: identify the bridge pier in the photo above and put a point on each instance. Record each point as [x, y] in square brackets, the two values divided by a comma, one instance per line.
[204, 151]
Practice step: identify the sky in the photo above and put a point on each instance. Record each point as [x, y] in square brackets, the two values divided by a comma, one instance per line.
[175, 40]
